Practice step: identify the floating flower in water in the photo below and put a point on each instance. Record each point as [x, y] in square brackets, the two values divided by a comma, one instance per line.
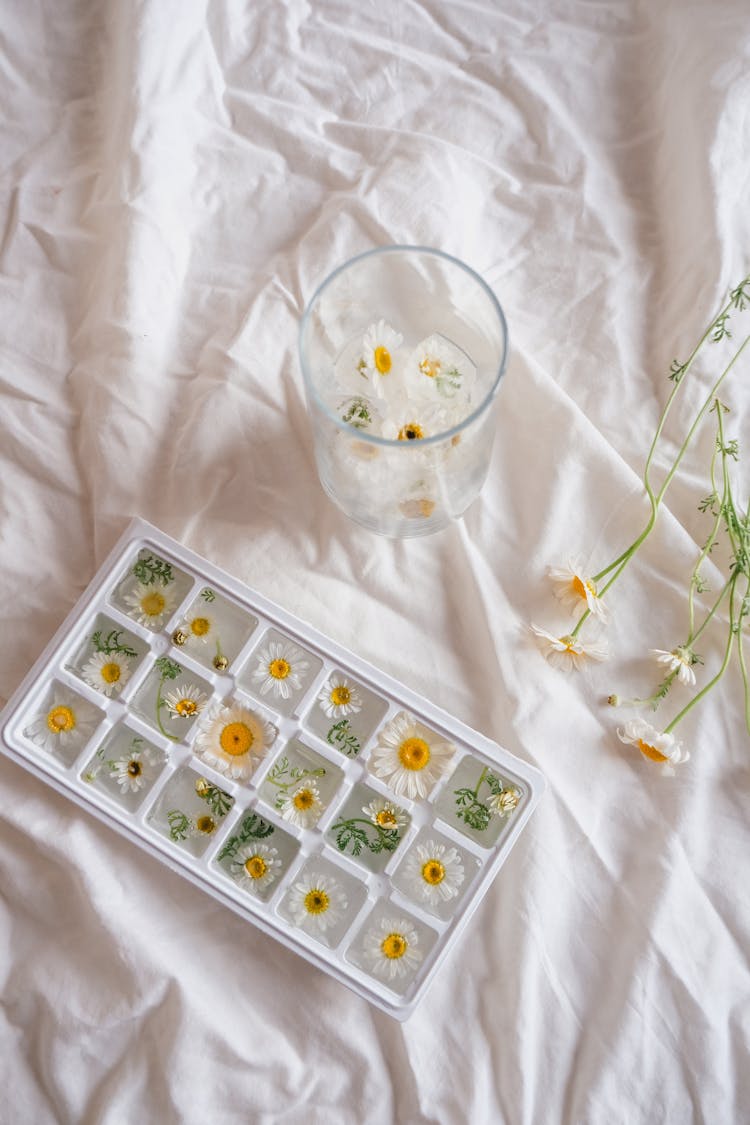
[390, 948]
[411, 420]
[339, 697]
[408, 757]
[385, 814]
[378, 346]
[281, 666]
[573, 586]
[679, 660]
[200, 626]
[435, 872]
[255, 866]
[149, 605]
[568, 652]
[317, 902]
[133, 771]
[69, 721]
[185, 701]
[504, 802]
[302, 805]
[658, 746]
[233, 739]
[437, 368]
[107, 672]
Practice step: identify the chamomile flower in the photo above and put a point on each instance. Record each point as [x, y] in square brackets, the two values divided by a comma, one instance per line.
[132, 771]
[409, 757]
[203, 825]
[434, 871]
[412, 420]
[150, 605]
[505, 802]
[658, 746]
[68, 721]
[378, 347]
[679, 660]
[339, 697]
[317, 902]
[200, 626]
[185, 701]
[233, 739]
[438, 369]
[568, 652]
[281, 666]
[390, 948]
[255, 867]
[302, 805]
[571, 586]
[107, 672]
[385, 814]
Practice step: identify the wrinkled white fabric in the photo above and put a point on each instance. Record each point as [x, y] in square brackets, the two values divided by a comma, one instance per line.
[176, 179]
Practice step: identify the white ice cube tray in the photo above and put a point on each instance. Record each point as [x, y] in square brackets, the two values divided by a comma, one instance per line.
[169, 813]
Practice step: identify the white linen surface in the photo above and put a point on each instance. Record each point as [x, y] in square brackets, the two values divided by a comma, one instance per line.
[176, 179]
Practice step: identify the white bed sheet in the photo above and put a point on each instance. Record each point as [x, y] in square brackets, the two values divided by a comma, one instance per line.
[176, 179]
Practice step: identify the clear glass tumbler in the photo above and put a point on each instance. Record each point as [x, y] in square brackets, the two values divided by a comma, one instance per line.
[402, 351]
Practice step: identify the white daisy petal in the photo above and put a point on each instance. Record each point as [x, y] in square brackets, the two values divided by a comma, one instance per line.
[377, 363]
[437, 369]
[68, 720]
[409, 757]
[280, 669]
[679, 660]
[339, 697]
[317, 902]
[434, 871]
[150, 605]
[568, 652]
[385, 814]
[200, 627]
[233, 739]
[572, 586]
[255, 866]
[185, 701]
[302, 805]
[390, 948]
[658, 746]
[107, 672]
[134, 770]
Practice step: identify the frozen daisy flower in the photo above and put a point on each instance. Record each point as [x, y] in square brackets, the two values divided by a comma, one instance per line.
[316, 902]
[379, 344]
[571, 586]
[435, 872]
[568, 652]
[149, 605]
[679, 660]
[657, 746]
[233, 739]
[185, 701]
[203, 825]
[69, 721]
[255, 866]
[302, 805]
[133, 770]
[385, 814]
[281, 666]
[437, 368]
[339, 697]
[107, 672]
[412, 420]
[505, 802]
[408, 757]
[390, 948]
[200, 626]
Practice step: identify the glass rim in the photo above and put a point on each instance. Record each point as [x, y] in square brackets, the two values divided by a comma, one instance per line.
[375, 439]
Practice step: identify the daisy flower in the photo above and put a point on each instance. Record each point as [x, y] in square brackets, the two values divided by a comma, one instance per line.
[133, 771]
[302, 806]
[185, 701]
[379, 344]
[435, 872]
[505, 802]
[255, 867]
[573, 586]
[385, 814]
[568, 652]
[200, 626]
[107, 672]
[149, 605]
[339, 697]
[657, 746]
[281, 666]
[390, 948]
[408, 757]
[203, 825]
[317, 902]
[437, 367]
[410, 420]
[679, 660]
[69, 721]
[233, 739]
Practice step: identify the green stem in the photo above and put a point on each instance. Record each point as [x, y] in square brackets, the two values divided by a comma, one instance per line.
[482, 776]
[713, 534]
[713, 682]
[159, 704]
[361, 820]
[296, 780]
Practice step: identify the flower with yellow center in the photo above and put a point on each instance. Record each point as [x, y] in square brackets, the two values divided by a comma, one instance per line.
[185, 701]
[317, 902]
[150, 605]
[233, 739]
[204, 825]
[281, 669]
[66, 721]
[390, 949]
[302, 805]
[376, 364]
[439, 369]
[339, 697]
[385, 814]
[655, 745]
[409, 757]
[200, 627]
[577, 590]
[505, 802]
[255, 866]
[411, 431]
[568, 652]
[107, 672]
[433, 872]
[133, 771]
[679, 660]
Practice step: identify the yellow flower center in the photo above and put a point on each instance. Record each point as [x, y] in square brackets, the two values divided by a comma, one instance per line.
[206, 825]
[412, 431]
[386, 818]
[414, 754]
[581, 588]
[111, 672]
[186, 707]
[316, 902]
[382, 360]
[430, 367]
[303, 799]
[200, 626]
[279, 669]
[61, 719]
[236, 739]
[134, 768]
[651, 752]
[394, 946]
[340, 696]
[433, 872]
[256, 866]
[570, 644]
[153, 604]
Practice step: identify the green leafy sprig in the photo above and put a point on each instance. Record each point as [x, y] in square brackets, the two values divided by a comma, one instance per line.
[344, 739]
[151, 570]
[111, 643]
[180, 824]
[351, 838]
[474, 811]
[294, 775]
[253, 827]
